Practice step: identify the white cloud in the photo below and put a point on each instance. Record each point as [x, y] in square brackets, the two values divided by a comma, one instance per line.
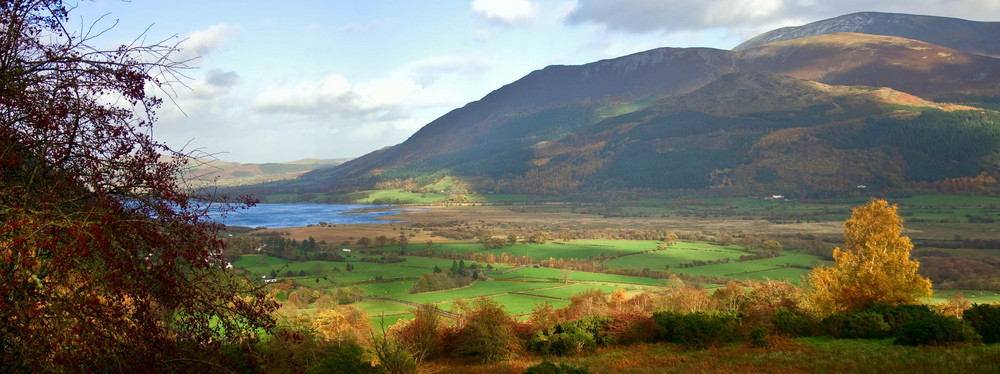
[506, 11]
[201, 43]
[408, 88]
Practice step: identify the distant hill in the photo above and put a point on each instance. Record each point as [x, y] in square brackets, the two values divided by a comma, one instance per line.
[812, 116]
[224, 173]
[966, 36]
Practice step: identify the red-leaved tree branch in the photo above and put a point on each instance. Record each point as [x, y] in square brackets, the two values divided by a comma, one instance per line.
[107, 260]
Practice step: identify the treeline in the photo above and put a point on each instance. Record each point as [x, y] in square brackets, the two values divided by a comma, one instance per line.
[275, 245]
[976, 272]
[459, 275]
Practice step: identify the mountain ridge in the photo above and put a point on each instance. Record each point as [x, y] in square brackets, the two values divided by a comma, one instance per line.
[976, 37]
[533, 131]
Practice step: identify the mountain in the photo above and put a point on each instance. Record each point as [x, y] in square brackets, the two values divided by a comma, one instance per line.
[966, 36]
[808, 115]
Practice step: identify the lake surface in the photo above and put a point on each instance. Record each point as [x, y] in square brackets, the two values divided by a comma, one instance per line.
[296, 215]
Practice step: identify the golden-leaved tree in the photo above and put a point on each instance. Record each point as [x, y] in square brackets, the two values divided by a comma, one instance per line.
[874, 266]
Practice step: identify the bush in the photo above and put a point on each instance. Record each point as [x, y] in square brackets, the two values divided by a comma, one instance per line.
[985, 319]
[936, 330]
[346, 358]
[574, 337]
[488, 333]
[859, 325]
[899, 315]
[549, 368]
[696, 330]
[758, 337]
[793, 324]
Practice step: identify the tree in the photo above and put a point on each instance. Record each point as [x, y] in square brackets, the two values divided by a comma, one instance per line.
[772, 247]
[486, 332]
[511, 240]
[402, 243]
[107, 260]
[874, 266]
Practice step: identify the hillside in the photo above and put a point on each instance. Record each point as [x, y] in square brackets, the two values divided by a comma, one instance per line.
[674, 118]
[966, 36]
[224, 173]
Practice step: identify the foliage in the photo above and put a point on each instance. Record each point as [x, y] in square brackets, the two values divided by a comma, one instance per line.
[341, 325]
[546, 367]
[390, 354]
[899, 315]
[574, 337]
[985, 319]
[875, 265]
[290, 350]
[793, 324]
[422, 335]
[936, 330]
[107, 260]
[431, 282]
[485, 333]
[696, 330]
[856, 325]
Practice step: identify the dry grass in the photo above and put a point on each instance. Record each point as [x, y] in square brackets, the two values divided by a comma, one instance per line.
[512, 217]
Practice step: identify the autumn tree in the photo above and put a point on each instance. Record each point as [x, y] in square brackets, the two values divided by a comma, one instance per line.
[485, 332]
[107, 260]
[874, 266]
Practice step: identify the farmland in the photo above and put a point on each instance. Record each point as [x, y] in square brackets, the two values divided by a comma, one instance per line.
[632, 264]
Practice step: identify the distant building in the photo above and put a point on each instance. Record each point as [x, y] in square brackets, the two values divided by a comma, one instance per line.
[777, 197]
[346, 250]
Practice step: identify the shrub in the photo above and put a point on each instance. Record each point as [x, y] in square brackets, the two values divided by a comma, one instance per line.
[793, 324]
[347, 358]
[487, 334]
[421, 335]
[936, 330]
[758, 337]
[696, 330]
[985, 319]
[899, 315]
[574, 337]
[858, 325]
[546, 367]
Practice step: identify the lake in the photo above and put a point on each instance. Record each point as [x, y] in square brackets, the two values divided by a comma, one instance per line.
[296, 215]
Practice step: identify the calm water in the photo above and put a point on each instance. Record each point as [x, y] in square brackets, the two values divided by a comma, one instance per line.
[296, 215]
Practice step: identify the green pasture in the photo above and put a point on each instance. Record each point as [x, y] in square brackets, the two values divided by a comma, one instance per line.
[792, 275]
[513, 304]
[577, 249]
[477, 289]
[675, 255]
[398, 290]
[389, 196]
[542, 274]
[570, 290]
[381, 307]
[974, 296]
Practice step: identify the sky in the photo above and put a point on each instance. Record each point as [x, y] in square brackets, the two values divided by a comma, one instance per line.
[277, 81]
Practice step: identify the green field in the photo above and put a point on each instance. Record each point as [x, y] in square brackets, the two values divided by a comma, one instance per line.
[520, 288]
[391, 196]
[577, 249]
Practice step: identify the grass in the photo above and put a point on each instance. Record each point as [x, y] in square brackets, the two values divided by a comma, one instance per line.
[558, 275]
[806, 355]
[392, 196]
[577, 249]
[682, 252]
